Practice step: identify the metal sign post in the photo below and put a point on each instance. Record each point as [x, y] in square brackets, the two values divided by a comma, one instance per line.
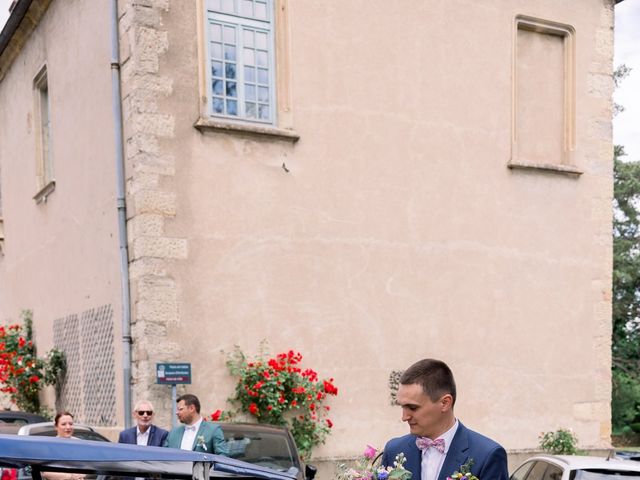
[173, 374]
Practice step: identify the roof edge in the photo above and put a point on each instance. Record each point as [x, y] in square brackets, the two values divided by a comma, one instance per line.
[15, 19]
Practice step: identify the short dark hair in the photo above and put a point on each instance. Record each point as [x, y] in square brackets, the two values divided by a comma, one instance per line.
[59, 415]
[434, 376]
[190, 399]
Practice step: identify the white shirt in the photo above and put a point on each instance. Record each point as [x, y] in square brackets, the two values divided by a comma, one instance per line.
[142, 438]
[189, 436]
[432, 459]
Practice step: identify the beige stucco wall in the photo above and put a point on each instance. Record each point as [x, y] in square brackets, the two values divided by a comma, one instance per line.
[398, 231]
[61, 256]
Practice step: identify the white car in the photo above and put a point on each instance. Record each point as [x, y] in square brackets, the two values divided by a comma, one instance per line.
[576, 467]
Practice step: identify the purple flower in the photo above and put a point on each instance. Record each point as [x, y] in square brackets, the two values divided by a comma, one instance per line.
[370, 452]
[383, 475]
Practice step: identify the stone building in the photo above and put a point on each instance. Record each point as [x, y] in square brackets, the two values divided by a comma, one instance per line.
[367, 182]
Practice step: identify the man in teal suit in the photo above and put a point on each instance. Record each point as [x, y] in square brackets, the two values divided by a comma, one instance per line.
[195, 434]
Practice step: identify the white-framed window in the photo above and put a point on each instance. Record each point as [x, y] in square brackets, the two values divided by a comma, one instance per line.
[44, 157]
[241, 60]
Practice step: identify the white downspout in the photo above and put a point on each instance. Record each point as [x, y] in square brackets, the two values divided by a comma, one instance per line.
[116, 101]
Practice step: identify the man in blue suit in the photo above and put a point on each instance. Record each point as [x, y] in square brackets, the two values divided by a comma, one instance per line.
[144, 433]
[196, 433]
[439, 444]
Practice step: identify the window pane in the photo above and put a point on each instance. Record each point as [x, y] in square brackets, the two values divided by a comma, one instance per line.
[231, 89]
[216, 69]
[246, 8]
[263, 94]
[248, 57]
[216, 33]
[217, 105]
[230, 70]
[261, 10]
[217, 87]
[227, 5]
[229, 35]
[250, 93]
[215, 4]
[248, 38]
[262, 58]
[216, 50]
[263, 76]
[230, 53]
[263, 112]
[232, 107]
[250, 109]
[261, 40]
[249, 74]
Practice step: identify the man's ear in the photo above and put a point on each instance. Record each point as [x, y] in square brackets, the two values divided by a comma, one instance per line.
[446, 402]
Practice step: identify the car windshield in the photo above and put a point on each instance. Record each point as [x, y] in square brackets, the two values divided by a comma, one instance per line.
[604, 475]
[271, 450]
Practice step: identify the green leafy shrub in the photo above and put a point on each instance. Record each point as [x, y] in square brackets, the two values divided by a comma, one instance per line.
[561, 442]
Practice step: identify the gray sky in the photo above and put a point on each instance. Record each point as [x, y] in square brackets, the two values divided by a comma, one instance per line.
[626, 126]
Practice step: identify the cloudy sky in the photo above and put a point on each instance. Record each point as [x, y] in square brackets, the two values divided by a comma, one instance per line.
[626, 126]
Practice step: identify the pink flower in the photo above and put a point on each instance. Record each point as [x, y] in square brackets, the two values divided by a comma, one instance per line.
[370, 452]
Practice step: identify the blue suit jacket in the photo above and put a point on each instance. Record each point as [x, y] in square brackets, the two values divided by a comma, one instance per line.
[157, 436]
[489, 458]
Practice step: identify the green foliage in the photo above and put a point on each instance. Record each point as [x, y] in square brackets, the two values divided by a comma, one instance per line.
[625, 402]
[277, 391]
[22, 372]
[561, 442]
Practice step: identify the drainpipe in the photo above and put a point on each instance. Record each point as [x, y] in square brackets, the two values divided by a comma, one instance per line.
[116, 100]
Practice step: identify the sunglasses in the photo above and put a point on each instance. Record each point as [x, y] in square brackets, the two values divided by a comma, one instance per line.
[145, 412]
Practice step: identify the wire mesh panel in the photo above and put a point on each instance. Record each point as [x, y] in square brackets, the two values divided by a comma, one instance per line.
[89, 390]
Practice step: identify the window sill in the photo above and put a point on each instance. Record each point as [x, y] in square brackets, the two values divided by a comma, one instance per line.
[208, 124]
[41, 196]
[546, 167]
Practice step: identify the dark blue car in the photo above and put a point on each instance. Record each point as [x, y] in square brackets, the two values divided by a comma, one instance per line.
[111, 461]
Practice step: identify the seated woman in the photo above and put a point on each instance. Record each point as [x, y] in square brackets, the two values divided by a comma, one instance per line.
[64, 428]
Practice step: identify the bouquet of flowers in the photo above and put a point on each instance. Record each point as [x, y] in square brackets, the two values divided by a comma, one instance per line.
[367, 468]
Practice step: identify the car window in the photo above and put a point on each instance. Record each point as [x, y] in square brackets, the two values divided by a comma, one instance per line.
[538, 471]
[553, 472]
[522, 471]
[271, 450]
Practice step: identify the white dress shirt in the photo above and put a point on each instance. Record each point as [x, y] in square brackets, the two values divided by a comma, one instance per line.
[432, 459]
[142, 438]
[189, 436]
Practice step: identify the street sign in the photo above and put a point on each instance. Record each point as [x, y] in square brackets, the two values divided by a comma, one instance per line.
[173, 373]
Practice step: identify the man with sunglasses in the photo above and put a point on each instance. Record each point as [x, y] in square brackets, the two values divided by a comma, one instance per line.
[144, 433]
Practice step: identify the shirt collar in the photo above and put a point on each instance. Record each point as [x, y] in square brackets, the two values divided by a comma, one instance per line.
[448, 436]
[194, 426]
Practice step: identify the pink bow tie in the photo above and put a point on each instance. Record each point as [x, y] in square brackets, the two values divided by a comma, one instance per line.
[423, 443]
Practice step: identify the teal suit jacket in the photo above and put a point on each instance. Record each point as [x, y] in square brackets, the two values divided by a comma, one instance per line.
[209, 439]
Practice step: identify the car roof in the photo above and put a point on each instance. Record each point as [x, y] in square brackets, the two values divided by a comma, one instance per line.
[26, 429]
[584, 462]
[10, 416]
[119, 459]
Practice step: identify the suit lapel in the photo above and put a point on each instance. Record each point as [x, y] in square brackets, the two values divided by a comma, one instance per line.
[414, 457]
[457, 453]
[200, 433]
[151, 432]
